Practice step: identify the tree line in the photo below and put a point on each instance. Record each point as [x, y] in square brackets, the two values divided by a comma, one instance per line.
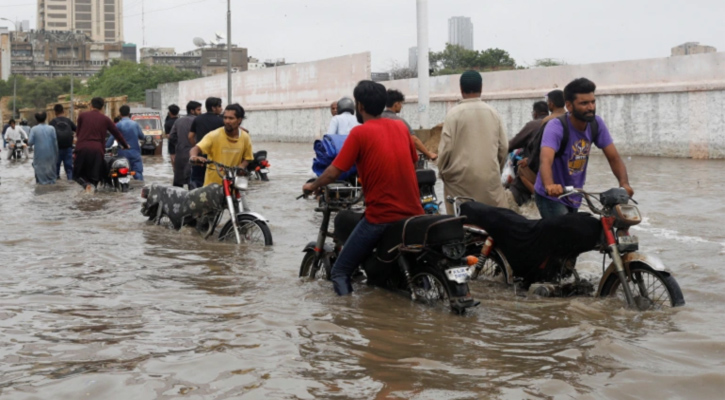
[119, 78]
[455, 59]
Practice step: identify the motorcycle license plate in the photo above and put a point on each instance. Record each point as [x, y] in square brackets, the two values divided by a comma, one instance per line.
[124, 179]
[264, 170]
[458, 275]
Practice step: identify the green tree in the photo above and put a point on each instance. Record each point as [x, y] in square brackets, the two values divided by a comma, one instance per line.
[455, 59]
[36, 93]
[131, 79]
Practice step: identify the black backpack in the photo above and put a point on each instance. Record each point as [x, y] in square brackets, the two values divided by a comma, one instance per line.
[534, 148]
[64, 132]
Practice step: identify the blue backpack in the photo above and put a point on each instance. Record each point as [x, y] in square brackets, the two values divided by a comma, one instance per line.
[326, 149]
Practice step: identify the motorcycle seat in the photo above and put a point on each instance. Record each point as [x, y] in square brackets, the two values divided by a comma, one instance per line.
[528, 244]
[179, 203]
[260, 155]
[426, 177]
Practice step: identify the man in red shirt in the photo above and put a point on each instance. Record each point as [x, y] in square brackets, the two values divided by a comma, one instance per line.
[385, 157]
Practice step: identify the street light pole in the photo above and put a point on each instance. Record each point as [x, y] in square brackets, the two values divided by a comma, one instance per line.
[72, 70]
[15, 88]
[423, 63]
[229, 52]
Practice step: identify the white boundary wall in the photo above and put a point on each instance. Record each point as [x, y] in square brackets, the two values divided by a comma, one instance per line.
[671, 106]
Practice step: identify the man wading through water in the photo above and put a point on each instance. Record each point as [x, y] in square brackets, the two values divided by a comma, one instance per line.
[89, 166]
[377, 147]
[203, 124]
[564, 162]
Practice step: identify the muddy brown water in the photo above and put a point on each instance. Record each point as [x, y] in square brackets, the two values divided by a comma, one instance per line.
[95, 303]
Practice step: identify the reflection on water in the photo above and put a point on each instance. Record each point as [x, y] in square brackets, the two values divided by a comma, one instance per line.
[96, 303]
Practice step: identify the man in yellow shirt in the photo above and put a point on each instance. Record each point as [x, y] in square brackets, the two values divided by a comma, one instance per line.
[229, 145]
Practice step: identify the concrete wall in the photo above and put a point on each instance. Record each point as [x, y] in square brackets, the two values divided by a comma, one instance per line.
[671, 106]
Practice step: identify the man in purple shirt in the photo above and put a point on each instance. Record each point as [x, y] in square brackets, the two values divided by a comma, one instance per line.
[570, 168]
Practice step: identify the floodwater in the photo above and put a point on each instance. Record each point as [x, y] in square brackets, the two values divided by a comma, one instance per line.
[97, 304]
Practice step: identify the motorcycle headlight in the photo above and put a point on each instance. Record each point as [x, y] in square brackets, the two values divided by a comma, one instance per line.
[241, 182]
[148, 139]
[627, 214]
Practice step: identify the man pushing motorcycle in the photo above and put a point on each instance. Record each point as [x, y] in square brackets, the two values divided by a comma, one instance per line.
[385, 157]
[228, 145]
[565, 148]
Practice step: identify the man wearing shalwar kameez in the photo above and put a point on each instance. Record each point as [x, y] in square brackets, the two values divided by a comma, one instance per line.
[45, 155]
[473, 148]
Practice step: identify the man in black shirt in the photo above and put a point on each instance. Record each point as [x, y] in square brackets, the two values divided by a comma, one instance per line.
[203, 124]
[171, 117]
[65, 131]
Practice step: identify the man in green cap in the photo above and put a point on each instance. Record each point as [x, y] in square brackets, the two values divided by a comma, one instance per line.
[473, 148]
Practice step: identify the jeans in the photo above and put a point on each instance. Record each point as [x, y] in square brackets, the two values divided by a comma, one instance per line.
[65, 156]
[197, 177]
[359, 245]
[549, 208]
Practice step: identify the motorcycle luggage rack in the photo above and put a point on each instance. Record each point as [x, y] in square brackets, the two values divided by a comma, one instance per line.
[417, 248]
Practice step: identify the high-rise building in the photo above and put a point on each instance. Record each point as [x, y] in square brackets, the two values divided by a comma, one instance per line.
[413, 58]
[460, 32]
[102, 20]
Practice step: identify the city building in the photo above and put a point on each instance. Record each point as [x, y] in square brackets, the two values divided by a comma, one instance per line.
[203, 61]
[460, 32]
[692, 48]
[380, 76]
[413, 58]
[128, 52]
[102, 20]
[254, 63]
[59, 53]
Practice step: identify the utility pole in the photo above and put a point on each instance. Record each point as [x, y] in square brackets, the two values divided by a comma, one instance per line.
[423, 65]
[72, 70]
[229, 52]
[15, 88]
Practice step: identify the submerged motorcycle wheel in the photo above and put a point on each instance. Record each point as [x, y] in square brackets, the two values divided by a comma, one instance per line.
[493, 269]
[429, 287]
[314, 272]
[251, 231]
[651, 289]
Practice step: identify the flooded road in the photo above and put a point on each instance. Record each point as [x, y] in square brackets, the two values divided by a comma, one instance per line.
[97, 304]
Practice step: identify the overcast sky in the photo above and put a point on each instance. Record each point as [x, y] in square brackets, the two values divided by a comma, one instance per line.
[578, 32]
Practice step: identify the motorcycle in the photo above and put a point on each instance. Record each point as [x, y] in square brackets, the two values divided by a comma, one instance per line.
[540, 256]
[119, 170]
[259, 167]
[426, 184]
[17, 152]
[204, 208]
[428, 251]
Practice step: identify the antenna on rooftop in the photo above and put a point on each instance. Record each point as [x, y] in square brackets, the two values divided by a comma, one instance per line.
[199, 42]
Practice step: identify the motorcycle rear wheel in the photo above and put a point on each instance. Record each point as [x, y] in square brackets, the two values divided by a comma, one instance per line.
[651, 289]
[251, 231]
[429, 287]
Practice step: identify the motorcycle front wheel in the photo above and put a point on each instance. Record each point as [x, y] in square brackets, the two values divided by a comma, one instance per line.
[251, 231]
[652, 290]
[493, 269]
[308, 269]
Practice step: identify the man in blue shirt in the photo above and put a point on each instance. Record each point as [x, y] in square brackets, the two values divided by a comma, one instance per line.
[132, 132]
